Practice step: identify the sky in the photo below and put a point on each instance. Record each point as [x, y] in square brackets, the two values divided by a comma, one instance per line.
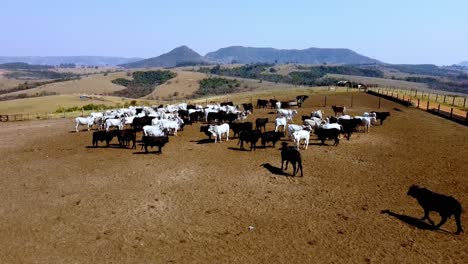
[397, 31]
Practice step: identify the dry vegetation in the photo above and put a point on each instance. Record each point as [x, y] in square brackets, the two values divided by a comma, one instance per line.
[66, 203]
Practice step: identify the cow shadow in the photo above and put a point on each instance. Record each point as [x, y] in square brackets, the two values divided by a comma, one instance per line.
[412, 221]
[398, 109]
[239, 149]
[203, 141]
[111, 146]
[146, 153]
[274, 170]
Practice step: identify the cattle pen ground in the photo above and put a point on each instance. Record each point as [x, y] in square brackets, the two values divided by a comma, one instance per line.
[64, 202]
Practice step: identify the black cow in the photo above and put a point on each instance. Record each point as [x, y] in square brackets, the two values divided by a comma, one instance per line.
[196, 116]
[204, 129]
[332, 133]
[227, 103]
[125, 137]
[191, 106]
[100, 136]
[248, 107]
[239, 127]
[182, 113]
[271, 136]
[300, 99]
[140, 122]
[291, 154]
[213, 116]
[332, 120]
[273, 103]
[230, 117]
[262, 103]
[304, 117]
[381, 116]
[349, 126]
[285, 104]
[261, 122]
[251, 137]
[154, 142]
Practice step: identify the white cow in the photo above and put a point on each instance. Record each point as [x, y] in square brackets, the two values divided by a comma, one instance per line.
[89, 121]
[366, 122]
[348, 117]
[153, 131]
[318, 114]
[114, 122]
[293, 128]
[288, 113]
[332, 125]
[278, 105]
[218, 131]
[280, 121]
[172, 125]
[301, 135]
[314, 122]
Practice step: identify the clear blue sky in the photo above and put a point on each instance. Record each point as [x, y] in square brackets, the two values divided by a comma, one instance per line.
[396, 31]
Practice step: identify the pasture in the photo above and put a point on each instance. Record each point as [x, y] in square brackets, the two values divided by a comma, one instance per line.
[201, 202]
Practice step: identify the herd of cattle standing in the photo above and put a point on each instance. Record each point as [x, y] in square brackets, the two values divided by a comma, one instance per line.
[157, 123]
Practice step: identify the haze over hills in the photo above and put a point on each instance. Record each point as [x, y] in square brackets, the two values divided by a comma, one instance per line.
[78, 60]
[179, 56]
[464, 63]
[241, 54]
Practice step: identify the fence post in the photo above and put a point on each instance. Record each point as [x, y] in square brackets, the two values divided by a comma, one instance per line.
[453, 101]
[418, 102]
[464, 103]
[415, 93]
[438, 108]
[427, 106]
[444, 98]
[451, 112]
[437, 95]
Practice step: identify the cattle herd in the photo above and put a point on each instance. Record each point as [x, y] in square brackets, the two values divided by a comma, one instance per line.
[156, 124]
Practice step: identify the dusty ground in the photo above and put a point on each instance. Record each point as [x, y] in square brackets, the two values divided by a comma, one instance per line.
[63, 202]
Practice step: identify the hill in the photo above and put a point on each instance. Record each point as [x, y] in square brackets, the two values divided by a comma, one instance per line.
[180, 56]
[239, 54]
[78, 60]
[464, 63]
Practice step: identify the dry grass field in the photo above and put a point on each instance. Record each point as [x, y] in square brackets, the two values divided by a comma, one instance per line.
[66, 202]
[93, 84]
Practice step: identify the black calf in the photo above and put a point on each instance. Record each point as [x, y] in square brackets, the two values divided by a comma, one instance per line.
[291, 154]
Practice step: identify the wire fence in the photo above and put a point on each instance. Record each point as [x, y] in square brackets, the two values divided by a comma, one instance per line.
[42, 116]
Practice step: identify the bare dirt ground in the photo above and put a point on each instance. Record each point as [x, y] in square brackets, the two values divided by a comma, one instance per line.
[63, 202]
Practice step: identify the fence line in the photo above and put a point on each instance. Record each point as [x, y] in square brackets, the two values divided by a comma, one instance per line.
[434, 107]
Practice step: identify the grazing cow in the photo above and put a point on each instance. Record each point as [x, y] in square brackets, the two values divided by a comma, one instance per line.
[339, 109]
[248, 107]
[204, 129]
[213, 116]
[100, 136]
[239, 127]
[114, 122]
[318, 114]
[261, 122]
[196, 116]
[301, 135]
[291, 154]
[262, 103]
[125, 137]
[271, 136]
[314, 122]
[349, 126]
[289, 114]
[251, 137]
[280, 121]
[284, 104]
[218, 131]
[150, 141]
[230, 117]
[381, 116]
[89, 121]
[446, 206]
[324, 134]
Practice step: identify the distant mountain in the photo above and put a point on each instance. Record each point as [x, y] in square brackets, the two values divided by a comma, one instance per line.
[464, 63]
[239, 54]
[78, 60]
[180, 56]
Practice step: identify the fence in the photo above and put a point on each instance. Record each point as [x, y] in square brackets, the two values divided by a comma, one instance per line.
[41, 116]
[434, 107]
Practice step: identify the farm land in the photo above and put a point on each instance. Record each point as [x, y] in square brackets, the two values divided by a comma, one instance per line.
[64, 201]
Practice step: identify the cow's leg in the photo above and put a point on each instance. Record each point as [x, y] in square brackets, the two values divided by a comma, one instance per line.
[444, 219]
[294, 168]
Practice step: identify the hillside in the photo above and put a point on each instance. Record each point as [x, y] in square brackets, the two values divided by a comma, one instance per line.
[464, 63]
[78, 60]
[239, 54]
[177, 57]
